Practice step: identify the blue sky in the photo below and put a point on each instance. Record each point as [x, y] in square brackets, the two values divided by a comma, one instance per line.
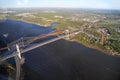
[101, 4]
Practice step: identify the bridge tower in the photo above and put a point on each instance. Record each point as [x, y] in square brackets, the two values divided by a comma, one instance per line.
[18, 51]
[19, 60]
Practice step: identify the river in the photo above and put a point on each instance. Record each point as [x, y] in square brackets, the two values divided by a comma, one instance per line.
[62, 60]
[11, 30]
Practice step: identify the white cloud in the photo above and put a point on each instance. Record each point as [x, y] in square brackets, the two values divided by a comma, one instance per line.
[23, 3]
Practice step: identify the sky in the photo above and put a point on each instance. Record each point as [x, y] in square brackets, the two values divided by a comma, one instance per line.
[100, 4]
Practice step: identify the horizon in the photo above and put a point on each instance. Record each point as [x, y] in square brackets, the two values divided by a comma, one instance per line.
[56, 8]
[86, 4]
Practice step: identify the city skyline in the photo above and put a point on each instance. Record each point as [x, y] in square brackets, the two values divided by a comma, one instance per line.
[99, 4]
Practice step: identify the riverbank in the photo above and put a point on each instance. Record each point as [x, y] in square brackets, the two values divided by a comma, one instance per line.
[98, 48]
[33, 23]
[96, 44]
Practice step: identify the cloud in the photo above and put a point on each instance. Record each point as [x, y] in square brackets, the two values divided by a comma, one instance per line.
[23, 3]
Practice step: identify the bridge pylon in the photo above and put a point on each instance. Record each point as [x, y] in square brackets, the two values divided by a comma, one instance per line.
[18, 51]
[19, 61]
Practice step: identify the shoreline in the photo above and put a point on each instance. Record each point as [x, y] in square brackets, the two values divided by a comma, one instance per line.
[29, 22]
[98, 48]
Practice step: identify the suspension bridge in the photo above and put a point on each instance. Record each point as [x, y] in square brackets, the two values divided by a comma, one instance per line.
[24, 45]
